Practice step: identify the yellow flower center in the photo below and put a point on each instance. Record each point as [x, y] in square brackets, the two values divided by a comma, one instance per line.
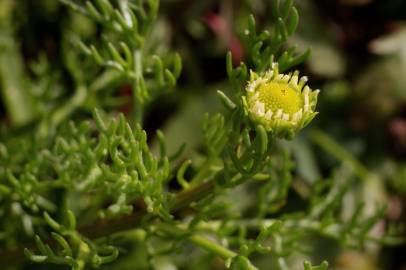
[277, 96]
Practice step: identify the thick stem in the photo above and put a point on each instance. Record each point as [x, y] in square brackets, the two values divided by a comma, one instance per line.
[193, 194]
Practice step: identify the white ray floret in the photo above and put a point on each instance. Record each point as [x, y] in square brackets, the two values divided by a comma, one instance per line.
[268, 115]
[302, 82]
[275, 67]
[269, 74]
[300, 114]
[294, 80]
[259, 108]
[278, 114]
[286, 78]
[252, 86]
[295, 117]
[306, 98]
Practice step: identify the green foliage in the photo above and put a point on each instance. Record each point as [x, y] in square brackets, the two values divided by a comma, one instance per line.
[323, 266]
[89, 191]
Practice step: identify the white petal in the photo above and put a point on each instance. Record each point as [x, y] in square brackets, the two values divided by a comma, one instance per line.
[294, 80]
[269, 74]
[302, 82]
[259, 108]
[306, 90]
[306, 98]
[268, 115]
[286, 78]
[253, 85]
[298, 115]
[278, 114]
[285, 117]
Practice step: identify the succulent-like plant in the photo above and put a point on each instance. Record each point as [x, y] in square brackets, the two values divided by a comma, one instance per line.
[84, 185]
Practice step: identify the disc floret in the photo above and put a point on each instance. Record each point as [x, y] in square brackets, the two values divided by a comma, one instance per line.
[282, 103]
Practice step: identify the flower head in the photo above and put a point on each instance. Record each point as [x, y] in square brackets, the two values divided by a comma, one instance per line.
[282, 103]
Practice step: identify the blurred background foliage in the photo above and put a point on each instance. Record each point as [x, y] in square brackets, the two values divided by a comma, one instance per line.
[358, 61]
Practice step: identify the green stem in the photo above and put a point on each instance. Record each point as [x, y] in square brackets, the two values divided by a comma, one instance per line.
[199, 240]
[138, 109]
[198, 192]
[333, 231]
[337, 151]
[18, 101]
[137, 84]
[203, 172]
[63, 112]
[212, 247]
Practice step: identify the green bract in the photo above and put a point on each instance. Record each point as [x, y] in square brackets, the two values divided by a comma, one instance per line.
[282, 103]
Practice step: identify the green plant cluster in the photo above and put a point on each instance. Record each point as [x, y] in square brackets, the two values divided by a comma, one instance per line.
[92, 192]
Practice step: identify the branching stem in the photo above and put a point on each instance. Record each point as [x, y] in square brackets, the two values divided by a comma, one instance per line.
[138, 109]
